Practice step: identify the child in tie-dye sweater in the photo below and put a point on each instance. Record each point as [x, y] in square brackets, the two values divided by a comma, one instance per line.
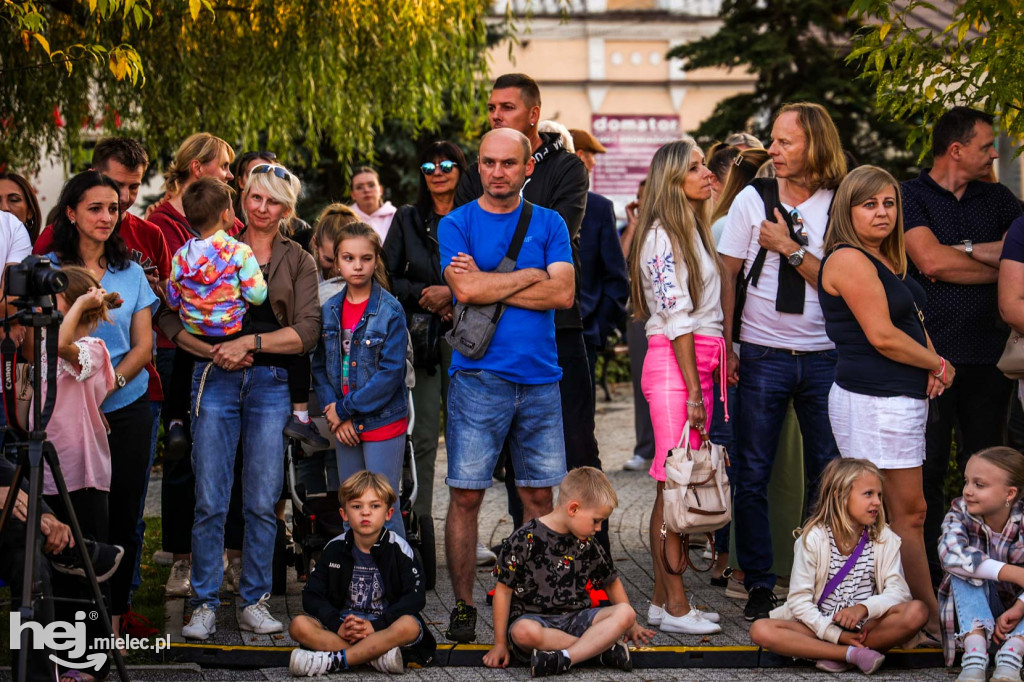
[214, 278]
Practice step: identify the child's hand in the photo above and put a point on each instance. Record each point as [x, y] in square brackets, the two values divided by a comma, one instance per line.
[1008, 621]
[848, 638]
[497, 657]
[93, 298]
[849, 617]
[346, 433]
[639, 635]
[354, 628]
[331, 415]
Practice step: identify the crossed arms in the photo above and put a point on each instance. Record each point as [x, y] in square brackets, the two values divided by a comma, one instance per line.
[530, 288]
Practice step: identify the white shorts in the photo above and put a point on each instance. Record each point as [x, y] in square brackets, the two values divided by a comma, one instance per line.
[887, 431]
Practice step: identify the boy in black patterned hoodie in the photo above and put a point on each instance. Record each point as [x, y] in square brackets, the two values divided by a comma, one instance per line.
[541, 606]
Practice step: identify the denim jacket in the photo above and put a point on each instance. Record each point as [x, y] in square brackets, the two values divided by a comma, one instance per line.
[377, 394]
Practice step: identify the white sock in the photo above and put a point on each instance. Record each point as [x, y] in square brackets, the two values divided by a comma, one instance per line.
[1010, 654]
[302, 415]
[849, 652]
[976, 647]
[565, 652]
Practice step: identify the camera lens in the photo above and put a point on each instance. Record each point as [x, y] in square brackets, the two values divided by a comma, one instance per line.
[50, 281]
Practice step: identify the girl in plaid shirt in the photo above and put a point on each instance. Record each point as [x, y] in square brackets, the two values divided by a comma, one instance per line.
[982, 550]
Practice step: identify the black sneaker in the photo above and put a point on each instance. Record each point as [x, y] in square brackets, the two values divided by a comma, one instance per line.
[543, 663]
[760, 602]
[178, 444]
[306, 433]
[462, 624]
[105, 560]
[618, 657]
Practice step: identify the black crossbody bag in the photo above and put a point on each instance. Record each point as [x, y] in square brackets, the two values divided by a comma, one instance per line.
[473, 326]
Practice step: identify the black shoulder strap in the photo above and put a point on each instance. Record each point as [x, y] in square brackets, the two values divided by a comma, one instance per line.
[517, 239]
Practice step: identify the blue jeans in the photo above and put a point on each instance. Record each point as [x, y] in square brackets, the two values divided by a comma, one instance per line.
[977, 607]
[484, 410]
[769, 377]
[140, 530]
[723, 433]
[381, 457]
[251, 406]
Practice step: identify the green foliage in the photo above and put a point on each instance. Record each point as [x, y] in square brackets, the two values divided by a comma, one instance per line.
[259, 73]
[795, 49]
[920, 71]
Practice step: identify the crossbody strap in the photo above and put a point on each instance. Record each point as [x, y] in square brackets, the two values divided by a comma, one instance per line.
[508, 263]
[837, 579]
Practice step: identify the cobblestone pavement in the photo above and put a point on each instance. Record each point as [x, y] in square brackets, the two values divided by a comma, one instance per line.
[630, 549]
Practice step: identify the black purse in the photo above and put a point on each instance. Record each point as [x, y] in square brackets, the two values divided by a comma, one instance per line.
[425, 333]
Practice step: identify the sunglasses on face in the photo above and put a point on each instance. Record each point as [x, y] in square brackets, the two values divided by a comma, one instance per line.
[276, 170]
[798, 227]
[446, 167]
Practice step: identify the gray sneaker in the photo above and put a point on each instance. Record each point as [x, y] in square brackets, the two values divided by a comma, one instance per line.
[180, 582]
[202, 624]
[256, 618]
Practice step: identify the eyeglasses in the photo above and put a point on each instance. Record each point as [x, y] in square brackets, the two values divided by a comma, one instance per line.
[446, 167]
[799, 229]
[276, 170]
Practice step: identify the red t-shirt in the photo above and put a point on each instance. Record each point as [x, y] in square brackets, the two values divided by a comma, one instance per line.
[351, 314]
[147, 247]
[175, 226]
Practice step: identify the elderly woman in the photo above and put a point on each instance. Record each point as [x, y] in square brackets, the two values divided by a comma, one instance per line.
[240, 395]
[18, 198]
[85, 233]
[369, 205]
[887, 368]
[414, 262]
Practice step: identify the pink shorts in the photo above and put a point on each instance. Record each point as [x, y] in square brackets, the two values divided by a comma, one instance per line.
[663, 386]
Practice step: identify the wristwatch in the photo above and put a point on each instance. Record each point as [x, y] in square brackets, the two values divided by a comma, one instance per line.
[121, 380]
[257, 343]
[968, 247]
[796, 258]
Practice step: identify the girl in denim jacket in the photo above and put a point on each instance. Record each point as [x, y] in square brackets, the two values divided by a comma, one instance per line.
[359, 367]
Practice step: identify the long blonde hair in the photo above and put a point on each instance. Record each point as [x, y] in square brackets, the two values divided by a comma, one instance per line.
[201, 147]
[830, 509]
[825, 166]
[665, 206]
[860, 185]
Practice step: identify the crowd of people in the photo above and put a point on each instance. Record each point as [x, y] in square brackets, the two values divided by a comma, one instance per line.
[761, 283]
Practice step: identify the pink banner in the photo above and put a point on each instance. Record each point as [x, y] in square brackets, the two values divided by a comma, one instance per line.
[631, 142]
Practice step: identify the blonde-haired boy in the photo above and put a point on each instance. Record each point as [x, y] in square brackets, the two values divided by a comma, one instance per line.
[364, 596]
[541, 607]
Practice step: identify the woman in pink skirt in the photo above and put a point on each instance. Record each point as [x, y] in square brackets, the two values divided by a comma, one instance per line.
[676, 289]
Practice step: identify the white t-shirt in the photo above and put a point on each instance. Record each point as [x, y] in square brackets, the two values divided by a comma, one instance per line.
[673, 312]
[762, 324]
[15, 244]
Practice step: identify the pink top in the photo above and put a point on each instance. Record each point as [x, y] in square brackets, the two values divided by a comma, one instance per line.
[76, 429]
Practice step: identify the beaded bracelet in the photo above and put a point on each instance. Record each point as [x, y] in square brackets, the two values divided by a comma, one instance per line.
[699, 403]
[941, 374]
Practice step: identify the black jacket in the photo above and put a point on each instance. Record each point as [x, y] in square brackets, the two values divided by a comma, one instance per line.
[559, 181]
[603, 269]
[326, 590]
[413, 256]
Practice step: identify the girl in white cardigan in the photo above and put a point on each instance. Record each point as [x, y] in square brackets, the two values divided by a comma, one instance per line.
[848, 599]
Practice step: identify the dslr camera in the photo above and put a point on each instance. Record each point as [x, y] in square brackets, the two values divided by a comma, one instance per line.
[35, 277]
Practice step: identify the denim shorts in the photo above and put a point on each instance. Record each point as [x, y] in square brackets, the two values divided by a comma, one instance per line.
[484, 410]
[574, 623]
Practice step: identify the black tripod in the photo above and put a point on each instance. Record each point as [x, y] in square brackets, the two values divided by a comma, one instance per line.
[38, 313]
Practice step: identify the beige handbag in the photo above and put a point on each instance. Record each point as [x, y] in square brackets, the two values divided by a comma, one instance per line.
[696, 497]
[1011, 362]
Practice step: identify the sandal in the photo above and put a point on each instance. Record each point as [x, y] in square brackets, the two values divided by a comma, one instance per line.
[72, 675]
[723, 580]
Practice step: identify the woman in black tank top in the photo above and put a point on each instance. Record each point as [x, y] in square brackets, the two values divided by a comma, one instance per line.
[887, 368]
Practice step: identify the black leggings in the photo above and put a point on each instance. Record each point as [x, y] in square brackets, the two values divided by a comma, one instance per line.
[131, 429]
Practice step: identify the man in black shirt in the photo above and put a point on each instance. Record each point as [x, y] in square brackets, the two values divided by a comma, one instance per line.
[955, 219]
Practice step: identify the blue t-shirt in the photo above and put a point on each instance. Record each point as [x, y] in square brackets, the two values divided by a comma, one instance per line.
[523, 347]
[134, 290]
[366, 591]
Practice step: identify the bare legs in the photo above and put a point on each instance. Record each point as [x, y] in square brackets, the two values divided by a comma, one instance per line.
[609, 625]
[309, 633]
[668, 589]
[905, 508]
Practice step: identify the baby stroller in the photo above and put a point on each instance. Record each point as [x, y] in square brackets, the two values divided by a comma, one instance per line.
[316, 518]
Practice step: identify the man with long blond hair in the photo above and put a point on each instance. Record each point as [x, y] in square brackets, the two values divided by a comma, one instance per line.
[785, 353]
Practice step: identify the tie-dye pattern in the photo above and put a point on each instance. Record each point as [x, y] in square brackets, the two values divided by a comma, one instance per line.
[211, 282]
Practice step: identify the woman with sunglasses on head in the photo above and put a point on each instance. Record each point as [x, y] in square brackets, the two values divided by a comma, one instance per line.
[295, 228]
[368, 201]
[887, 368]
[241, 396]
[414, 262]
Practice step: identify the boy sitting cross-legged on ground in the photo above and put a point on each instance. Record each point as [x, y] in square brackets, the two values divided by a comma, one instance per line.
[541, 602]
[365, 594]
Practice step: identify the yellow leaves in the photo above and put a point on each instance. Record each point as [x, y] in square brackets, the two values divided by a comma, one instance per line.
[194, 7]
[27, 36]
[883, 30]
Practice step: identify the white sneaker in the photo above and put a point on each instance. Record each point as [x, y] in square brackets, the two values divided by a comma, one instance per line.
[637, 463]
[202, 624]
[305, 663]
[655, 614]
[690, 624]
[484, 556]
[180, 582]
[162, 558]
[390, 662]
[709, 616]
[256, 618]
[233, 575]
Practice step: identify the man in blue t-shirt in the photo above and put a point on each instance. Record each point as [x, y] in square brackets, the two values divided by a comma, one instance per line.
[512, 391]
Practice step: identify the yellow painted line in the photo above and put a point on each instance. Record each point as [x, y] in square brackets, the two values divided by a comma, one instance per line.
[487, 647]
[225, 647]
